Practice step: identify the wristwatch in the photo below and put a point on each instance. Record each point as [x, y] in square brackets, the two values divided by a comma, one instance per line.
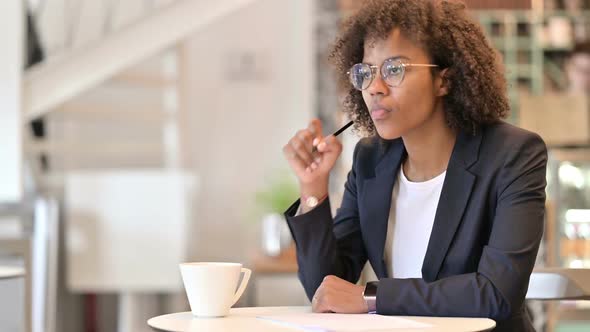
[370, 295]
[312, 201]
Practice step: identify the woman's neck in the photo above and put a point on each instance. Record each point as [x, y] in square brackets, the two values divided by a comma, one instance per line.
[429, 148]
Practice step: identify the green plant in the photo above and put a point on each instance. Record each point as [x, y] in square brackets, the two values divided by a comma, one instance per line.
[280, 193]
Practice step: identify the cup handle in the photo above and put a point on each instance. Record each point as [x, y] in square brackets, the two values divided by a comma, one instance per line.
[243, 284]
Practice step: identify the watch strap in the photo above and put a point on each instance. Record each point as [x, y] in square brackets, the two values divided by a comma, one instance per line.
[370, 295]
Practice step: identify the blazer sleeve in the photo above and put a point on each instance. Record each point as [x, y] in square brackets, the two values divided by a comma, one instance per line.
[498, 288]
[326, 245]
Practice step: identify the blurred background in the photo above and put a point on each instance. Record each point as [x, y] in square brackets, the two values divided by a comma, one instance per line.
[138, 134]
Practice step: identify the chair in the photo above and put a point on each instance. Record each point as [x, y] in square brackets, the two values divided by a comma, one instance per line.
[559, 284]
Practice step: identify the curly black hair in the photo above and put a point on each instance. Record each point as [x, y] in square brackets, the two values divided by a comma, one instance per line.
[444, 29]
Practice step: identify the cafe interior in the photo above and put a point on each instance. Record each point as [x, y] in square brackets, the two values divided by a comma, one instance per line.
[136, 135]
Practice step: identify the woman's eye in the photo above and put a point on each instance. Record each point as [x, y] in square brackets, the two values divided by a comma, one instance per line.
[367, 74]
[394, 70]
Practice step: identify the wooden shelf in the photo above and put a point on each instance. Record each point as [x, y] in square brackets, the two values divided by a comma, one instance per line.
[286, 262]
[571, 313]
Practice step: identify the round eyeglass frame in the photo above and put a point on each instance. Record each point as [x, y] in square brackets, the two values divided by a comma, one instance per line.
[399, 62]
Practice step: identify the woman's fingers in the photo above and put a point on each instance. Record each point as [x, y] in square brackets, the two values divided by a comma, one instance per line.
[310, 154]
[300, 151]
[315, 127]
[329, 144]
[293, 158]
[302, 145]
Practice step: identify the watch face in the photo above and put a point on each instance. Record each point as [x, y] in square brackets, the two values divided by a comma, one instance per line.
[311, 201]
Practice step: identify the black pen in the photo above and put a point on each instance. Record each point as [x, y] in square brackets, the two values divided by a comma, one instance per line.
[339, 131]
[336, 133]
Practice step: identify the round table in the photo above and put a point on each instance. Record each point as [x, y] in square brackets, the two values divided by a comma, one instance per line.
[11, 272]
[244, 319]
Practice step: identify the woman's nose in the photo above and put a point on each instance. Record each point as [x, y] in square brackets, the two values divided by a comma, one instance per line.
[378, 86]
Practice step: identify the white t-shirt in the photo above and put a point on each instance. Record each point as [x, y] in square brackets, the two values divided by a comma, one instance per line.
[411, 216]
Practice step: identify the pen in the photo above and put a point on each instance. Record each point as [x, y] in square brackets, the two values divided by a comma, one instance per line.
[337, 132]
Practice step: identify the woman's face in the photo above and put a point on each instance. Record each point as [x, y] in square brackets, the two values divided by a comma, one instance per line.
[397, 111]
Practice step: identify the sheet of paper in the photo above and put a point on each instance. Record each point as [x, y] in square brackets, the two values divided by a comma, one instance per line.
[343, 322]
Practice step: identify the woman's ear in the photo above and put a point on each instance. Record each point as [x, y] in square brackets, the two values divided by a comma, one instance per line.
[443, 83]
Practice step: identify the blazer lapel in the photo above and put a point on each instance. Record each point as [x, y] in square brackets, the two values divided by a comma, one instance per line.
[452, 203]
[377, 202]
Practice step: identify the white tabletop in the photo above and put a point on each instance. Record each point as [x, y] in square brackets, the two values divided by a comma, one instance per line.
[9, 272]
[244, 319]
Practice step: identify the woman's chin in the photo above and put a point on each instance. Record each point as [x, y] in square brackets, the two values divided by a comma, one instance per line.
[388, 133]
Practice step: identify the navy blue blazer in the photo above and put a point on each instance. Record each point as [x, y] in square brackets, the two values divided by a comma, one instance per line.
[486, 234]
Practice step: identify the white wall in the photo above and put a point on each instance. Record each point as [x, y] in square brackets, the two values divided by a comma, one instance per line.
[239, 125]
[11, 64]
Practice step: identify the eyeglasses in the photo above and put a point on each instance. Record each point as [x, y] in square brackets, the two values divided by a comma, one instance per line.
[393, 71]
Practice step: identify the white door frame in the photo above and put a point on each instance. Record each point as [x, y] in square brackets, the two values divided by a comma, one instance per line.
[11, 72]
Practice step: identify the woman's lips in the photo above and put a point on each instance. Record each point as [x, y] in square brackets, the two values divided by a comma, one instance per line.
[379, 114]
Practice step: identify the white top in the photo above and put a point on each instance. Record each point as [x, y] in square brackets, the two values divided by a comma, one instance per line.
[411, 216]
[244, 319]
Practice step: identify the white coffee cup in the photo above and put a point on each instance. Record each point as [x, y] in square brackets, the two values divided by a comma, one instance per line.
[211, 287]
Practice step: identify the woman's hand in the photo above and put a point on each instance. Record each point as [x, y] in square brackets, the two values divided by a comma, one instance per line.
[312, 166]
[340, 296]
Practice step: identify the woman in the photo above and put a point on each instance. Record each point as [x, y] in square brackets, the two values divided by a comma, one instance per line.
[444, 199]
